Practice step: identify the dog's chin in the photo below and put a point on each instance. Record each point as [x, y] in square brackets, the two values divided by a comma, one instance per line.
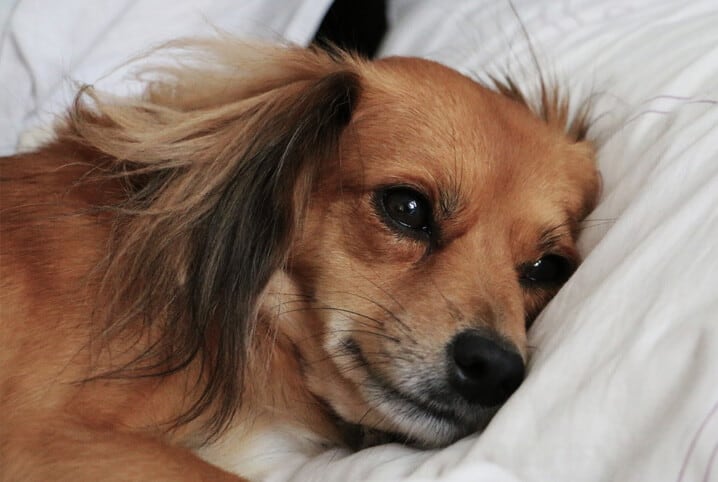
[425, 415]
[413, 423]
[427, 421]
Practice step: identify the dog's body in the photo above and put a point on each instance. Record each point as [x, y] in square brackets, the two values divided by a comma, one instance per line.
[322, 251]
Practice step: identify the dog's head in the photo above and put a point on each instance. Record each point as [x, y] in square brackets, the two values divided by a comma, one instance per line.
[445, 224]
[423, 220]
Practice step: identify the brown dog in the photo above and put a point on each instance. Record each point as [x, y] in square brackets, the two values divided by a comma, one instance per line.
[277, 245]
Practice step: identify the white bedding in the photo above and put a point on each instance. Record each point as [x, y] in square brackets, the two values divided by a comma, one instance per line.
[623, 383]
[50, 45]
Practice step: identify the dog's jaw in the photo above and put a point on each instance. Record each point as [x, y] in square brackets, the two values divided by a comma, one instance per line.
[285, 424]
[311, 390]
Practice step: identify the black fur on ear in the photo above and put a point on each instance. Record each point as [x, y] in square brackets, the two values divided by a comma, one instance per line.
[215, 190]
[246, 237]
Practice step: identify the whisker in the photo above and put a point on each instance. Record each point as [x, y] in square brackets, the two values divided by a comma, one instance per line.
[340, 310]
[454, 312]
[361, 419]
[595, 225]
[402, 324]
[387, 356]
[383, 290]
[300, 296]
[349, 330]
[284, 303]
[368, 332]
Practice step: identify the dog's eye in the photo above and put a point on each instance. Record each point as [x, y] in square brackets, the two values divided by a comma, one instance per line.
[406, 209]
[551, 269]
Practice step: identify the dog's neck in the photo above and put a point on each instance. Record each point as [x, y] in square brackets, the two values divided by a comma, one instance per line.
[280, 422]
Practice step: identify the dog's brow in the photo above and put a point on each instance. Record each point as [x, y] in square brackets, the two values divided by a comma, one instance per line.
[551, 237]
[448, 202]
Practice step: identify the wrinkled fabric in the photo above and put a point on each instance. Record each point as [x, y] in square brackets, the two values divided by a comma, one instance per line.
[48, 47]
[623, 380]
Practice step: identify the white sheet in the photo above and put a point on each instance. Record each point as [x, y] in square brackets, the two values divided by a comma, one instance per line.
[623, 385]
[49, 45]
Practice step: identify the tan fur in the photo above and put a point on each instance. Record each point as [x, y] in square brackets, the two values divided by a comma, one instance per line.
[89, 386]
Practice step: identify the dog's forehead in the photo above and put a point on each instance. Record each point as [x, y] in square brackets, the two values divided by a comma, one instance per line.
[421, 123]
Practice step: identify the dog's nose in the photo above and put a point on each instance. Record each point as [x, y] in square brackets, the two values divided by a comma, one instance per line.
[482, 370]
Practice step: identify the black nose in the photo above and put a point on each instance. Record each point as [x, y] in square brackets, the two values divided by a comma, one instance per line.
[483, 370]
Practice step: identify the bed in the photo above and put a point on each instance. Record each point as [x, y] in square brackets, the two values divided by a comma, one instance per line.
[623, 379]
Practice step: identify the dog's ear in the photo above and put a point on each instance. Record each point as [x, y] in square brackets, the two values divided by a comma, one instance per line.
[551, 106]
[216, 184]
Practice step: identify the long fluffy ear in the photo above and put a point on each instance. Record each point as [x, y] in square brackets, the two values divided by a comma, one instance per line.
[217, 167]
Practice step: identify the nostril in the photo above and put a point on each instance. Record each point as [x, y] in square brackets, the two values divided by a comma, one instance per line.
[484, 370]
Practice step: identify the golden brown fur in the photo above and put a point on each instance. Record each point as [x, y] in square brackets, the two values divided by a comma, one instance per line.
[211, 255]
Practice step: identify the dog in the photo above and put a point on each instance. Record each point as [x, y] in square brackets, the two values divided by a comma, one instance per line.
[277, 246]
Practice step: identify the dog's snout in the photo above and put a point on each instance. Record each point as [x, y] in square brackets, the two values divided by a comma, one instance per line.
[483, 371]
